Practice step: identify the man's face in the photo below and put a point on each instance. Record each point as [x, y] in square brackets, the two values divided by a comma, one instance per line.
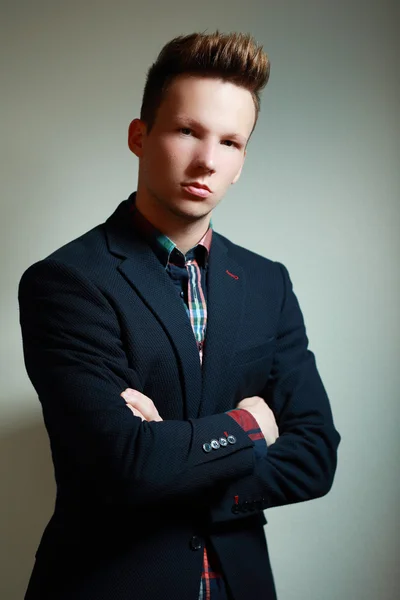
[199, 136]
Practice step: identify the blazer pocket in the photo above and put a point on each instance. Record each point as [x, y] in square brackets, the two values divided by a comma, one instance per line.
[256, 352]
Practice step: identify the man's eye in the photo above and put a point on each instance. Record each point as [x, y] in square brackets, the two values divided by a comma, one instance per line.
[185, 130]
[229, 143]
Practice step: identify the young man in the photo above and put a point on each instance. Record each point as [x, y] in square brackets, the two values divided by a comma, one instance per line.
[154, 313]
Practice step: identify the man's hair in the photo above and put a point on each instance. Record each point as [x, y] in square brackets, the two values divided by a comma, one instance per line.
[232, 57]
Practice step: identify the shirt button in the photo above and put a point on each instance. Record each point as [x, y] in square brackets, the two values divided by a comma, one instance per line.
[207, 447]
[195, 543]
[182, 294]
[214, 444]
[231, 439]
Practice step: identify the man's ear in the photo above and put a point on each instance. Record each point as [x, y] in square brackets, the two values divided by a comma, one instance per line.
[136, 134]
[240, 170]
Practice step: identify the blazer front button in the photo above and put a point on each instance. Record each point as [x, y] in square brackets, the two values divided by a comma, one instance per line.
[195, 543]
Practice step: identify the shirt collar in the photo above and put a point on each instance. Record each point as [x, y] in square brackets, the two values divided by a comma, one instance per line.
[164, 248]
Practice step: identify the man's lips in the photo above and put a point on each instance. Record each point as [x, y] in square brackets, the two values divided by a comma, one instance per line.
[197, 189]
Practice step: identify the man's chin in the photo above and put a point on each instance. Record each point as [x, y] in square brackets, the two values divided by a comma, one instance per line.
[191, 212]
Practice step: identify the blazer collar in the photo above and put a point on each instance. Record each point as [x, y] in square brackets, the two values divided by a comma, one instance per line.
[207, 389]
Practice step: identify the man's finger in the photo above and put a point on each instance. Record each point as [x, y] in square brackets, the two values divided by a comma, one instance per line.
[136, 412]
[142, 403]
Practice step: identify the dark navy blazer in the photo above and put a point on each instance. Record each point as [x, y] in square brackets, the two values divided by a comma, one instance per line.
[136, 500]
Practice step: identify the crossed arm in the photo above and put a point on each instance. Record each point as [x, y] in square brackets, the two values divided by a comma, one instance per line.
[144, 408]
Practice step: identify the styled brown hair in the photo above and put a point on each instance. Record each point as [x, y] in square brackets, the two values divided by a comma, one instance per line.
[233, 57]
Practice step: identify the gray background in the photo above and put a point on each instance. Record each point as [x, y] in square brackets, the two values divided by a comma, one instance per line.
[319, 192]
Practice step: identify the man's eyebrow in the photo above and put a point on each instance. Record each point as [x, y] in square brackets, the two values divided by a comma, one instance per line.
[189, 122]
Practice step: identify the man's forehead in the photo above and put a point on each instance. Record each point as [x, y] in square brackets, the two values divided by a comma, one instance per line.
[203, 109]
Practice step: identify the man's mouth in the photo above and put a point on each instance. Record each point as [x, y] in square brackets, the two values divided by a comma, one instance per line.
[197, 189]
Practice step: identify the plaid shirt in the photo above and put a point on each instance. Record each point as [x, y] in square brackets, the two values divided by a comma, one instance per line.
[188, 273]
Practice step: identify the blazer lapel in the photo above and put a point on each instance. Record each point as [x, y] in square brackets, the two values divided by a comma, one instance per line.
[225, 305]
[142, 269]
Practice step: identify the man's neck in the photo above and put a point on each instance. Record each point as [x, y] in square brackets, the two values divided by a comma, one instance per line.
[185, 234]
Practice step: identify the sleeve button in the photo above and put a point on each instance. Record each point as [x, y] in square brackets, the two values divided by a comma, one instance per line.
[207, 447]
[231, 439]
[195, 543]
[214, 444]
[223, 441]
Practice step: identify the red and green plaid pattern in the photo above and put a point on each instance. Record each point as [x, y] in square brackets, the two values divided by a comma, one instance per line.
[197, 305]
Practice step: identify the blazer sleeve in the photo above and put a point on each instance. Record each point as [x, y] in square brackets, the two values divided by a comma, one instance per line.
[76, 362]
[301, 464]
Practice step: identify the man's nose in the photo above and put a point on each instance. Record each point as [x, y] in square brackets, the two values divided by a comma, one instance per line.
[205, 158]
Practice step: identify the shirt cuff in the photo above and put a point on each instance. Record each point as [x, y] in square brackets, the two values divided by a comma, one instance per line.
[249, 424]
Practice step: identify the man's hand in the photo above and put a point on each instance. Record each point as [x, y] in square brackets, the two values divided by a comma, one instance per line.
[141, 406]
[263, 415]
